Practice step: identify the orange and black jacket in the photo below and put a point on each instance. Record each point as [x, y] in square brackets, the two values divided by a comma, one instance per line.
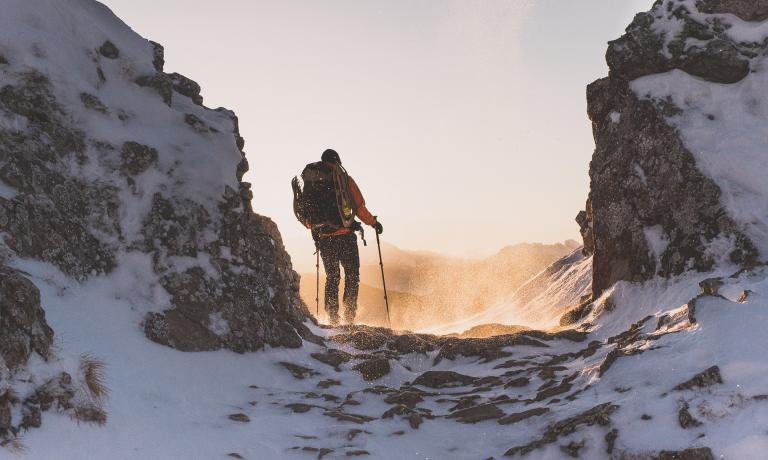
[362, 211]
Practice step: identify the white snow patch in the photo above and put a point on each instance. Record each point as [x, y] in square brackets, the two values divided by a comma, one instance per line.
[615, 117]
[218, 324]
[657, 242]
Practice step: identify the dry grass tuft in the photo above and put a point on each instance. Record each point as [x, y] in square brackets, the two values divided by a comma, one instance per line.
[91, 414]
[92, 369]
[14, 446]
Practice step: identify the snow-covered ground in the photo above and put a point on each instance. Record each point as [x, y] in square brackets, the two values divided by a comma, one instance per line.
[168, 404]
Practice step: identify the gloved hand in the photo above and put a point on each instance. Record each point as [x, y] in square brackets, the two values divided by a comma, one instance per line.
[379, 228]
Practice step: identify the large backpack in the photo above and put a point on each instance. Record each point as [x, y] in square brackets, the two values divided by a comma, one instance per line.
[324, 201]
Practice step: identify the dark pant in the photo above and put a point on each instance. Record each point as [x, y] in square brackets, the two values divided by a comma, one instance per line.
[335, 251]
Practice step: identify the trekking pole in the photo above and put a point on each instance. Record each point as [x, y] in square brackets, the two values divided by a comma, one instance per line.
[317, 283]
[383, 280]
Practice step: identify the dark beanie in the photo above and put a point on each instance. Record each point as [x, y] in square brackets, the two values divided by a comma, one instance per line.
[331, 156]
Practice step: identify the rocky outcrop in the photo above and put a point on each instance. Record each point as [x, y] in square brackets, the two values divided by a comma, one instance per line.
[23, 329]
[651, 211]
[88, 176]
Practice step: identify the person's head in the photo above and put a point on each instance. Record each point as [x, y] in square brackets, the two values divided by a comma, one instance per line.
[331, 156]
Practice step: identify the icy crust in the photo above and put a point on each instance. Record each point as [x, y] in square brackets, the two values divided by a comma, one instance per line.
[722, 125]
[665, 366]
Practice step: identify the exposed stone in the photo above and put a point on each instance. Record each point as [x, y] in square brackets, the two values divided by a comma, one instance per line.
[137, 158]
[477, 414]
[299, 372]
[161, 83]
[158, 55]
[406, 398]
[373, 369]
[573, 448]
[92, 102]
[520, 416]
[704, 379]
[347, 417]
[23, 328]
[186, 87]
[109, 50]
[443, 379]
[642, 176]
[748, 10]
[333, 357]
[598, 415]
[701, 453]
[610, 440]
[196, 123]
[711, 286]
[686, 419]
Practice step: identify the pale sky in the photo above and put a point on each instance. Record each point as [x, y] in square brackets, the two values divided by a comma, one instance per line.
[463, 121]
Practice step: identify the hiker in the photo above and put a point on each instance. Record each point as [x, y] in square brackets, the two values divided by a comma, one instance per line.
[327, 205]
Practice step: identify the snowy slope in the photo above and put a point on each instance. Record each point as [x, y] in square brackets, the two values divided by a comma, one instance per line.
[167, 404]
[538, 303]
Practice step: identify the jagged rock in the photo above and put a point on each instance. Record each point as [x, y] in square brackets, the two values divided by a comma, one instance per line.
[576, 314]
[3, 60]
[161, 83]
[327, 383]
[373, 369]
[158, 55]
[573, 448]
[478, 414]
[407, 398]
[610, 440]
[299, 408]
[137, 158]
[598, 415]
[23, 328]
[686, 419]
[711, 286]
[92, 102]
[520, 416]
[333, 357]
[642, 176]
[748, 10]
[701, 453]
[622, 209]
[362, 339]
[109, 50]
[196, 123]
[186, 87]
[411, 343]
[704, 379]
[347, 417]
[297, 371]
[443, 379]
[644, 51]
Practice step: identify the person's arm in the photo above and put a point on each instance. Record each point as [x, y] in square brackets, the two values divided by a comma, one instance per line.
[362, 212]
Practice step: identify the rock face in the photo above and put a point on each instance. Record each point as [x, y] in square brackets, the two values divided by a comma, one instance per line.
[651, 211]
[100, 166]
